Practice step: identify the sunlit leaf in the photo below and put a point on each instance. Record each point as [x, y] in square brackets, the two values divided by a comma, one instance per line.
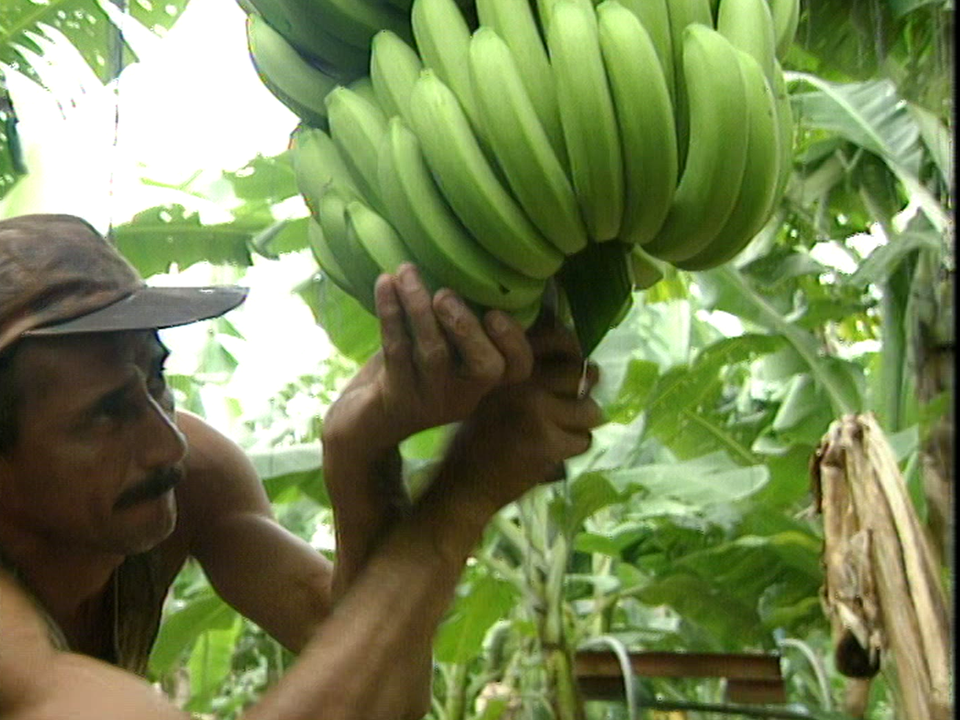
[477, 607]
[160, 238]
[351, 329]
[184, 625]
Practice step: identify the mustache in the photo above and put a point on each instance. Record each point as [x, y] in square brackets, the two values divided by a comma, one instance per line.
[155, 485]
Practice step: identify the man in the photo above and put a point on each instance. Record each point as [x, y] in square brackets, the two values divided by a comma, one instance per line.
[106, 490]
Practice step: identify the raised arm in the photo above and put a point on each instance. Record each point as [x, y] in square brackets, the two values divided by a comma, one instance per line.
[436, 363]
[357, 665]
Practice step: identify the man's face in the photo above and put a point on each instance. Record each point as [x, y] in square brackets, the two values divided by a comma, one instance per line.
[97, 453]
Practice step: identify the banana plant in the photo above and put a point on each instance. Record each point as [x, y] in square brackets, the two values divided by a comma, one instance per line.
[100, 31]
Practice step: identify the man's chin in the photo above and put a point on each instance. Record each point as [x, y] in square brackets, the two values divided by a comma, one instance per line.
[150, 522]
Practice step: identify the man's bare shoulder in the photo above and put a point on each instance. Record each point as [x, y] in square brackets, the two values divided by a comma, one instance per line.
[40, 682]
[220, 480]
[208, 449]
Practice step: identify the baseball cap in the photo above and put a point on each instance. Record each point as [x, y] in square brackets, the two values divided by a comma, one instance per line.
[58, 275]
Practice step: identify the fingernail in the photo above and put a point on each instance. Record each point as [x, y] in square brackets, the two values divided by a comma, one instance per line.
[498, 322]
[408, 277]
[452, 306]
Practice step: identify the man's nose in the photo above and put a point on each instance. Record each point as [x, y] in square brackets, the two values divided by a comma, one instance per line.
[162, 443]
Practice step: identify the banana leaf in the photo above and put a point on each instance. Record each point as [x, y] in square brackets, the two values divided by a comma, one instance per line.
[94, 27]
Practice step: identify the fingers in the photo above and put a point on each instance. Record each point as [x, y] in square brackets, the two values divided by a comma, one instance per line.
[568, 378]
[552, 340]
[394, 336]
[479, 357]
[507, 334]
[430, 344]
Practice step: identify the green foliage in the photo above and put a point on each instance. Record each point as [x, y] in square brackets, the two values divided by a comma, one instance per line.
[94, 28]
[688, 525]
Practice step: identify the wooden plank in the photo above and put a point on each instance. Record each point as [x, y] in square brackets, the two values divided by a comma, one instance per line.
[736, 666]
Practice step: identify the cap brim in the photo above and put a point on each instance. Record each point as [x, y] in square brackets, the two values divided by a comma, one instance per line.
[153, 308]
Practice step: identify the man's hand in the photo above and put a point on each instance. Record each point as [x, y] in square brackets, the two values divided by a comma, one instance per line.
[519, 435]
[436, 363]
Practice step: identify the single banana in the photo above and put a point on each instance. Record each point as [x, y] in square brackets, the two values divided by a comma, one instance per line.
[545, 11]
[469, 183]
[434, 234]
[785, 126]
[394, 67]
[317, 163]
[710, 182]
[520, 144]
[296, 21]
[371, 232]
[353, 21]
[786, 19]
[682, 13]
[359, 269]
[443, 42]
[528, 315]
[356, 126]
[516, 23]
[284, 72]
[324, 256]
[363, 86]
[654, 17]
[758, 188]
[645, 119]
[748, 25]
[588, 117]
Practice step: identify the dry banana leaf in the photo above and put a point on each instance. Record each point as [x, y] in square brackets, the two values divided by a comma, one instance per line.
[882, 591]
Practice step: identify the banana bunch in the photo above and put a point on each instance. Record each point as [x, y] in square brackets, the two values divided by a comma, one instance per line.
[302, 49]
[502, 144]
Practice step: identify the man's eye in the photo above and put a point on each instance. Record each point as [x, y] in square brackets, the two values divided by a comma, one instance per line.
[116, 408]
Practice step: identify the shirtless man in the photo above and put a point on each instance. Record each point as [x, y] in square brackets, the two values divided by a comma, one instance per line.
[106, 490]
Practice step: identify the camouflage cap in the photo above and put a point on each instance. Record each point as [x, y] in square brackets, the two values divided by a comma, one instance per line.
[58, 275]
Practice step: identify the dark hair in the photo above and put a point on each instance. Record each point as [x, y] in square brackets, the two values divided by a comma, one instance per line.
[9, 400]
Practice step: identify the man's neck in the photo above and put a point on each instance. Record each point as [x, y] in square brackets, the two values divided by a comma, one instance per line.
[63, 578]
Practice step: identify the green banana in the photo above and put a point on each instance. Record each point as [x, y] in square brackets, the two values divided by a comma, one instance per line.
[587, 116]
[710, 182]
[324, 256]
[645, 119]
[352, 21]
[682, 13]
[786, 19]
[520, 144]
[528, 314]
[469, 183]
[443, 41]
[748, 25]
[516, 23]
[316, 164]
[371, 232]
[295, 20]
[394, 67]
[785, 126]
[363, 86]
[654, 17]
[545, 11]
[758, 188]
[359, 269]
[356, 126]
[284, 72]
[434, 234]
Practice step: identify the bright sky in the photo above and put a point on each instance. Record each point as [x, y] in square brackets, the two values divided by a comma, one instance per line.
[193, 102]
